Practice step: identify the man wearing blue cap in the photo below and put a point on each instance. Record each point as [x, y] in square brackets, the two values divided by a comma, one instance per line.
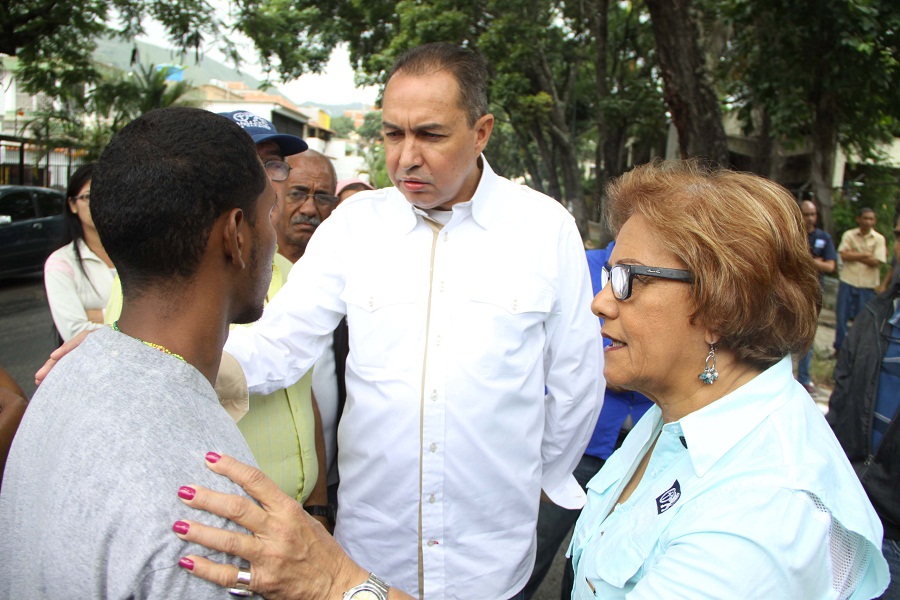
[283, 429]
[270, 145]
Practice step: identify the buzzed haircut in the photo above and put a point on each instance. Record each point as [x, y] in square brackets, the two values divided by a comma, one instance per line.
[468, 68]
[160, 185]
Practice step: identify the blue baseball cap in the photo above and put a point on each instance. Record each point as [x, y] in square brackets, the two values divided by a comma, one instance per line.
[262, 130]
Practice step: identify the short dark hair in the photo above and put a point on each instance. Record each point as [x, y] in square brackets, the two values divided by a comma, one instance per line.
[468, 68]
[160, 185]
[864, 210]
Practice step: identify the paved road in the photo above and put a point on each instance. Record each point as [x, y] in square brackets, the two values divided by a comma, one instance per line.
[26, 329]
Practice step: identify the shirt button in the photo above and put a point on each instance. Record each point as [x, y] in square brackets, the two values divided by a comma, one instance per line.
[371, 301]
[433, 447]
[437, 340]
[446, 237]
[432, 542]
[432, 499]
[434, 395]
[515, 304]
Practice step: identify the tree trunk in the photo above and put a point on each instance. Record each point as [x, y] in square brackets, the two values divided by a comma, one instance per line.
[688, 91]
[599, 29]
[824, 147]
[548, 158]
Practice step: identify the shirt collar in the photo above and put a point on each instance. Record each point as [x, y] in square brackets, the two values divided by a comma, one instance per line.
[482, 209]
[85, 251]
[714, 430]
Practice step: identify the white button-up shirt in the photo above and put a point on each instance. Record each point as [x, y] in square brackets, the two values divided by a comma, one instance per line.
[456, 331]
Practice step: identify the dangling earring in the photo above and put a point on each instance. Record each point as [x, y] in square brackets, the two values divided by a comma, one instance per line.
[709, 374]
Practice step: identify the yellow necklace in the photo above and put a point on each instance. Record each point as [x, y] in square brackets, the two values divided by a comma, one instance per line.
[159, 347]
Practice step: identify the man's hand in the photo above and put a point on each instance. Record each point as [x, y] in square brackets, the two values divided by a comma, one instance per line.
[291, 556]
[57, 354]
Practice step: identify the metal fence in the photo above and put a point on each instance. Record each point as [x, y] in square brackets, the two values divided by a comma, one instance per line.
[24, 163]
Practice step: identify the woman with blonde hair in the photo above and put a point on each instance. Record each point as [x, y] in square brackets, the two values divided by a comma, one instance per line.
[732, 485]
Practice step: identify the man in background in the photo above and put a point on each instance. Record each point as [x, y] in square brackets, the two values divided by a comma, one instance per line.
[863, 250]
[308, 197]
[824, 255]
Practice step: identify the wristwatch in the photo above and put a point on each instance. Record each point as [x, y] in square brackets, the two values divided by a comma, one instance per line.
[372, 588]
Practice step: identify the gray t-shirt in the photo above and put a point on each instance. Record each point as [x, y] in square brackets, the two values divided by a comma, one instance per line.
[90, 489]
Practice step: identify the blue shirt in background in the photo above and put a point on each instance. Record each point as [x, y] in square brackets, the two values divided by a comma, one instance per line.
[821, 245]
[617, 404]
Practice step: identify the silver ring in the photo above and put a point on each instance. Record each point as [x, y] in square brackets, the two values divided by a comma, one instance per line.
[242, 587]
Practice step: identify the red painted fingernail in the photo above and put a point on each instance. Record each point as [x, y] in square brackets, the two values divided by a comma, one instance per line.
[186, 563]
[213, 457]
[181, 527]
[186, 492]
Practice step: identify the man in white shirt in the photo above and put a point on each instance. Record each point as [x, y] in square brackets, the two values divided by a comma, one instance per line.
[467, 298]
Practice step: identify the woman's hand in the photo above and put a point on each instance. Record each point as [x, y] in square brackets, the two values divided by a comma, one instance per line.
[292, 557]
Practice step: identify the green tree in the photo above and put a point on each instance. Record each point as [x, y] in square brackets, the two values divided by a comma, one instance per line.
[114, 101]
[689, 92]
[54, 40]
[370, 130]
[342, 126]
[542, 59]
[822, 72]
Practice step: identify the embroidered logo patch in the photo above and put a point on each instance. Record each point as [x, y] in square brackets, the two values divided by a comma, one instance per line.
[247, 119]
[668, 498]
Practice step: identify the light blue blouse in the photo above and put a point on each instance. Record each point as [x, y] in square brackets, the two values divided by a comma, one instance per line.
[749, 497]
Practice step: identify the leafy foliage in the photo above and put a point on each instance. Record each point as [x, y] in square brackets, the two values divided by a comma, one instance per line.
[53, 40]
[342, 125]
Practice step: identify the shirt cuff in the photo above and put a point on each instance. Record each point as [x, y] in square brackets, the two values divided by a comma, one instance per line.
[231, 387]
[566, 493]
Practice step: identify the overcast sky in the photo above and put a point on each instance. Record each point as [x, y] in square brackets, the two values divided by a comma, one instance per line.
[334, 86]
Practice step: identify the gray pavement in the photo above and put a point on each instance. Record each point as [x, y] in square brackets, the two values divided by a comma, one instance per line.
[26, 329]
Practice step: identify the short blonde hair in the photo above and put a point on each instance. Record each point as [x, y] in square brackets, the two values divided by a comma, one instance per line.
[743, 239]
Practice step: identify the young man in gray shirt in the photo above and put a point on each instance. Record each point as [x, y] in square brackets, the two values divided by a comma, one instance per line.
[182, 204]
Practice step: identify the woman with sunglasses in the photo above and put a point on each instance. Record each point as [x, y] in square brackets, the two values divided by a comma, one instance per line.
[78, 277]
[731, 486]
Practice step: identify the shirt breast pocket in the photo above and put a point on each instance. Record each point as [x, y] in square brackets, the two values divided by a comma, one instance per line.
[380, 316]
[509, 320]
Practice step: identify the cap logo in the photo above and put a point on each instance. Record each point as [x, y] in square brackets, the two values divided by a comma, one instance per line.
[248, 119]
[668, 498]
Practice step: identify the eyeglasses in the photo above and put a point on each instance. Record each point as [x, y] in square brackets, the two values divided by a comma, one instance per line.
[277, 170]
[322, 200]
[622, 276]
[85, 196]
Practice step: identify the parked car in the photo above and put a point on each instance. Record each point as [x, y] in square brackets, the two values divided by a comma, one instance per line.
[31, 226]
